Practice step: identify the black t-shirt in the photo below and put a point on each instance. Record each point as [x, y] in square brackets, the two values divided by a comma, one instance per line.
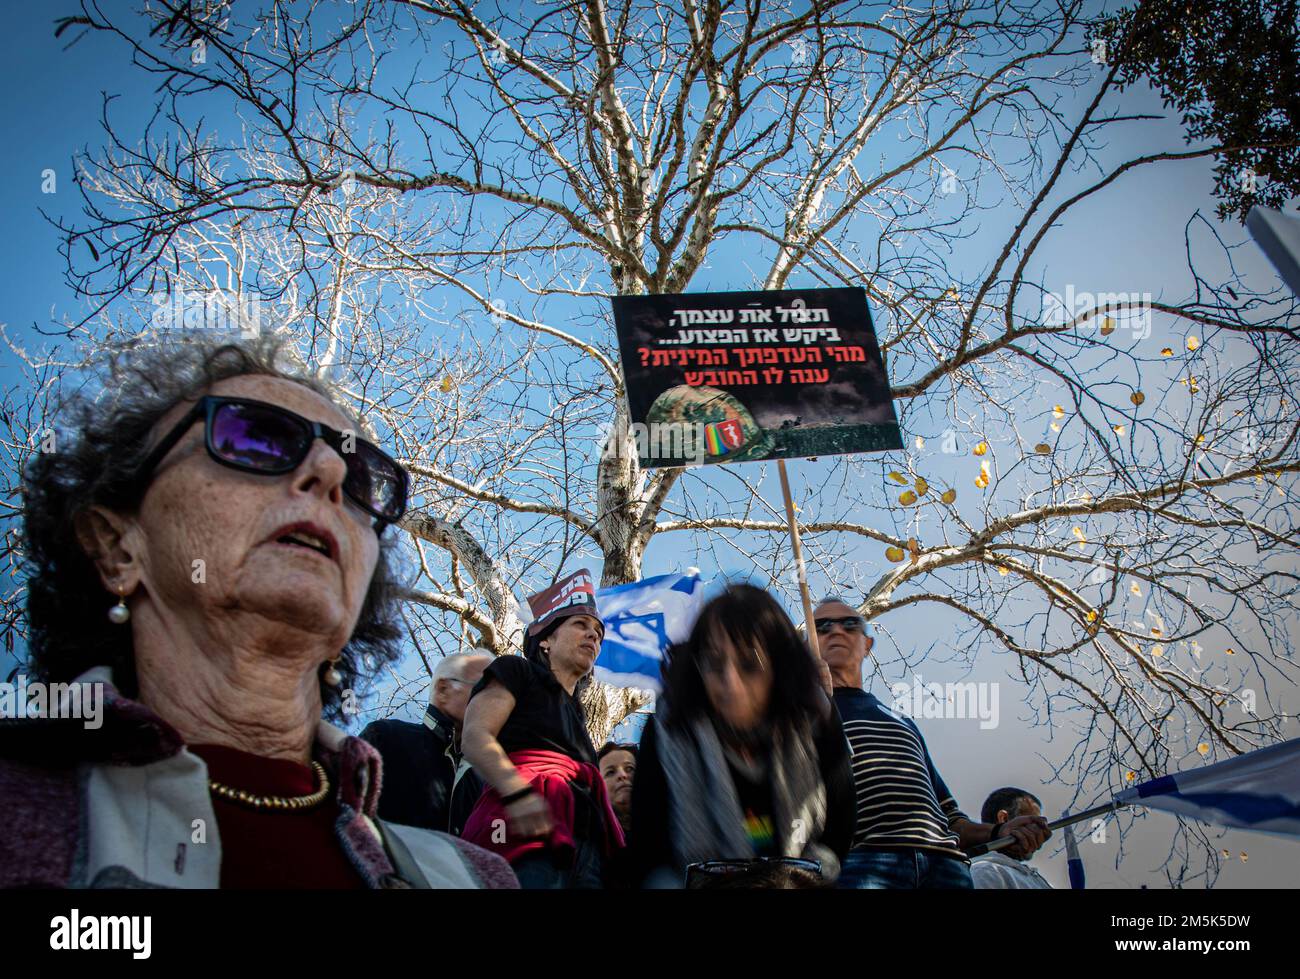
[755, 798]
[545, 716]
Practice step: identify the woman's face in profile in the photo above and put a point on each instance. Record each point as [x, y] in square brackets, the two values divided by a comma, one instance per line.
[737, 680]
[228, 548]
[576, 643]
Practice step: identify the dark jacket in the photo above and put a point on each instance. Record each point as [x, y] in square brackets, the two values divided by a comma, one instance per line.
[421, 762]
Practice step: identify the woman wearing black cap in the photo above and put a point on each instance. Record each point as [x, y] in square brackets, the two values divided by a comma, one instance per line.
[545, 808]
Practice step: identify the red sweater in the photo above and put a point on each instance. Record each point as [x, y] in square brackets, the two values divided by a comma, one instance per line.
[553, 775]
[270, 848]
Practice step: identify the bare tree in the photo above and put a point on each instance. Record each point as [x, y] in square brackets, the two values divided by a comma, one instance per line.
[437, 197]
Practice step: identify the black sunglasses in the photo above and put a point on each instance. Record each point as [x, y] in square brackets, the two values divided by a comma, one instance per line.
[850, 623]
[256, 437]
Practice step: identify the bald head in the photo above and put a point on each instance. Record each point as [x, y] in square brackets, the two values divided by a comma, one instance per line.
[453, 678]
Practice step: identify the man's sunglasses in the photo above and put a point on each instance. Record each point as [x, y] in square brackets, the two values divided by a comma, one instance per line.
[256, 437]
[850, 623]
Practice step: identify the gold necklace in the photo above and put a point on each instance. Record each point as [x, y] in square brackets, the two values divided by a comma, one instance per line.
[276, 801]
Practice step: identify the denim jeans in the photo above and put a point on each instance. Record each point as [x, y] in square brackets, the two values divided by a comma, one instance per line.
[538, 871]
[903, 868]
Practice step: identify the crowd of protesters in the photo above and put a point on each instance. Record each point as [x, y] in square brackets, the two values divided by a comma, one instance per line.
[217, 764]
[762, 766]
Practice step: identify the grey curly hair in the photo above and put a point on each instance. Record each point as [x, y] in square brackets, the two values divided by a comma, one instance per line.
[101, 443]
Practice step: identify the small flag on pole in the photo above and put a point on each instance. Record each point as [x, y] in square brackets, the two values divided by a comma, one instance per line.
[1073, 859]
[642, 619]
[1259, 790]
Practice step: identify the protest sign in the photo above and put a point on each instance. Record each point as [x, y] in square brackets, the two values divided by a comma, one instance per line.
[725, 377]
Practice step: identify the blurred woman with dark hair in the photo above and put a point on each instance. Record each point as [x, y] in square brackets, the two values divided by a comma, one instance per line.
[745, 757]
[206, 550]
[546, 809]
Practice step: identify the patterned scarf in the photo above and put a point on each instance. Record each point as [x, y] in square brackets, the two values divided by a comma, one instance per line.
[705, 818]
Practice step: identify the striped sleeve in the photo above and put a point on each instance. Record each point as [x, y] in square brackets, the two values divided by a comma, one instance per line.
[951, 811]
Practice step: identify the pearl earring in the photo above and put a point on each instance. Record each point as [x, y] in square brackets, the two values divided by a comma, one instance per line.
[119, 614]
[332, 676]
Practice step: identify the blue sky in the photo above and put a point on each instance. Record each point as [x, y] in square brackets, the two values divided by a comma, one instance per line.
[1130, 239]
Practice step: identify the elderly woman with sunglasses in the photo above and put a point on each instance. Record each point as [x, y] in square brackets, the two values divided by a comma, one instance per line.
[745, 759]
[206, 551]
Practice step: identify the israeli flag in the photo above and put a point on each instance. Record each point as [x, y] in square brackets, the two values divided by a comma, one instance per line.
[642, 620]
[1259, 790]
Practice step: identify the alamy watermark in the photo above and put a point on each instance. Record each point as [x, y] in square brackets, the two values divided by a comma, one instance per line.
[217, 310]
[947, 700]
[1132, 310]
[98, 932]
[55, 701]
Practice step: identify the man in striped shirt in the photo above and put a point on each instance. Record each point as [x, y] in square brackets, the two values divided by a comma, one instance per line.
[910, 832]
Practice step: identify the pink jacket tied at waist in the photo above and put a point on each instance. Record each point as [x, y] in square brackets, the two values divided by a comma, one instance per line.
[553, 775]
